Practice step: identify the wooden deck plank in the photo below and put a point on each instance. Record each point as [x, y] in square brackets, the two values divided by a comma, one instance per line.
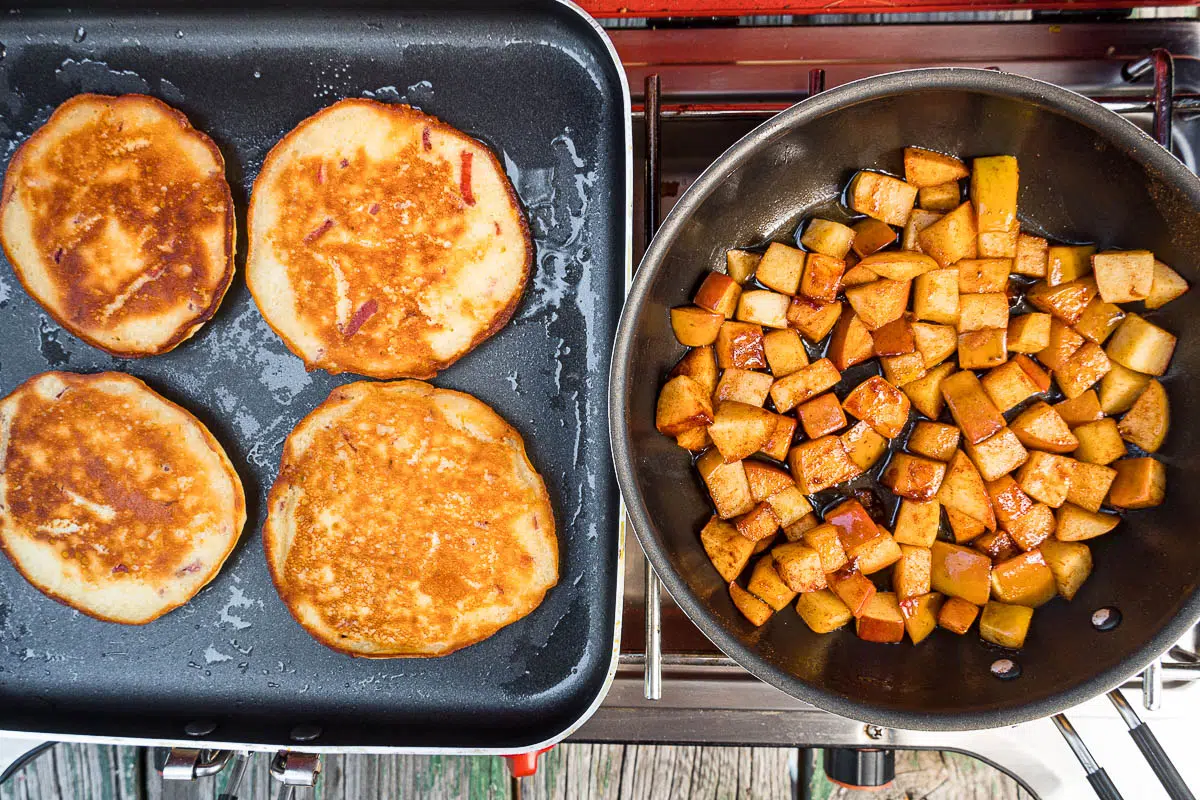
[569, 772]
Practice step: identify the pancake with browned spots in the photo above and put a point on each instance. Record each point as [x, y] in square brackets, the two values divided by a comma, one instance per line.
[408, 521]
[117, 218]
[113, 499]
[384, 242]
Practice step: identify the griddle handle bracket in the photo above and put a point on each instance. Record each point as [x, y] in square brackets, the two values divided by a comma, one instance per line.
[1155, 756]
[1102, 784]
[188, 764]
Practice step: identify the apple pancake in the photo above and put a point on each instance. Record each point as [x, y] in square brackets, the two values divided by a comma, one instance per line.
[113, 500]
[117, 218]
[384, 242]
[408, 521]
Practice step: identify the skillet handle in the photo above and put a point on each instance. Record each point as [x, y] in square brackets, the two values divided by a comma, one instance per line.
[1105, 788]
[1155, 756]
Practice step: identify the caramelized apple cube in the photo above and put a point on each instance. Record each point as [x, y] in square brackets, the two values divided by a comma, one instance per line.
[804, 384]
[871, 236]
[790, 505]
[924, 168]
[997, 455]
[913, 477]
[781, 267]
[1083, 369]
[1120, 388]
[727, 484]
[1032, 256]
[963, 490]
[982, 349]
[935, 440]
[1040, 427]
[757, 524]
[941, 198]
[1099, 442]
[761, 307]
[1008, 385]
[977, 312]
[894, 339]
[881, 620]
[973, 411]
[852, 588]
[952, 238]
[911, 574]
[752, 608]
[879, 302]
[902, 265]
[935, 343]
[719, 294]
[875, 554]
[699, 364]
[765, 480]
[1099, 320]
[1034, 527]
[918, 220]
[1146, 423]
[917, 522]
[799, 566]
[1140, 483]
[694, 439]
[1068, 263]
[785, 352]
[766, 585]
[1166, 286]
[1008, 499]
[780, 443]
[743, 386]
[682, 404]
[858, 275]
[957, 615]
[741, 264]
[935, 296]
[1089, 484]
[1025, 580]
[901, 370]
[740, 344]
[1004, 624]
[821, 463]
[920, 615]
[1066, 301]
[795, 532]
[925, 393]
[740, 429]
[983, 275]
[864, 446]
[821, 415]
[822, 611]
[959, 571]
[879, 404]
[822, 277]
[853, 524]
[1046, 477]
[1071, 563]
[994, 194]
[1029, 333]
[813, 319]
[997, 545]
[695, 326]
[1080, 410]
[851, 342]
[964, 529]
[882, 197]
[828, 544]
[828, 238]
[1141, 346]
[1124, 276]
[1077, 524]
[727, 549]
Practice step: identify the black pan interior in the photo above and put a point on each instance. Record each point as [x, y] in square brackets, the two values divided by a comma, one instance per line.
[536, 83]
[1086, 175]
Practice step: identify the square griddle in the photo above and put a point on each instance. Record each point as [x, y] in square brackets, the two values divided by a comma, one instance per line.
[540, 85]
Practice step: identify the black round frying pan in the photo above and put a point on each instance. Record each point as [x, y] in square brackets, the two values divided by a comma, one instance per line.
[1086, 175]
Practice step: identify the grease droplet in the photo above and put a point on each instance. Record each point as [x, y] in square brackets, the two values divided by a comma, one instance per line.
[257, 74]
[178, 34]
[1006, 669]
[80, 34]
[1106, 619]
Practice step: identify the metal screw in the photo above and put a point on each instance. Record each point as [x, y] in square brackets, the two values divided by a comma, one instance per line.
[873, 732]
[305, 733]
[200, 727]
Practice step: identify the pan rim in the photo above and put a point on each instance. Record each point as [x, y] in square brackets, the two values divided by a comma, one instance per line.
[1136, 143]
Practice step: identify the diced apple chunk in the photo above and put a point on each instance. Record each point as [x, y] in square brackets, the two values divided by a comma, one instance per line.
[998, 545]
[695, 326]
[881, 620]
[682, 404]
[829, 238]
[982, 349]
[959, 571]
[852, 588]
[917, 522]
[920, 615]
[1029, 333]
[1025, 580]
[913, 477]
[1083, 369]
[957, 615]
[1124, 276]
[994, 194]
[935, 343]
[935, 296]
[1004, 624]
[973, 411]
[941, 198]
[780, 268]
[741, 264]
[718, 293]
[821, 463]
[952, 238]
[871, 236]
[752, 608]
[822, 277]
[1071, 563]
[923, 168]
[812, 318]
[740, 344]
[1099, 320]
[1065, 301]
[1146, 423]
[1008, 499]
[1077, 524]
[863, 445]
[761, 307]
[789, 505]
[1099, 442]
[743, 386]
[1033, 527]
[901, 370]
[727, 549]
[901, 265]
[963, 490]
[977, 312]
[821, 415]
[983, 275]
[879, 302]
[925, 393]
[918, 220]
[828, 544]
[1141, 346]
[799, 566]
[1080, 410]
[780, 443]
[766, 585]
[1046, 477]
[895, 339]
[1032, 256]
[822, 611]
[963, 528]
[1120, 388]
[1089, 484]
[1140, 483]
[757, 524]
[879, 404]
[882, 197]
[1008, 385]
[785, 352]
[1166, 286]
[765, 480]
[1040, 427]
[910, 577]
[934, 440]
[740, 429]
[851, 342]
[727, 484]
[875, 554]
[804, 384]
[1068, 263]
[997, 455]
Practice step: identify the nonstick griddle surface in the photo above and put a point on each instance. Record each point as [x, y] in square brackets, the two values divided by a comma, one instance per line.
[535, 83]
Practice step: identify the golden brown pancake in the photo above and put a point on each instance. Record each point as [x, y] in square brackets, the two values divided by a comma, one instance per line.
[384, 242]
[113, 500]
[408, 521]
[117, 218]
